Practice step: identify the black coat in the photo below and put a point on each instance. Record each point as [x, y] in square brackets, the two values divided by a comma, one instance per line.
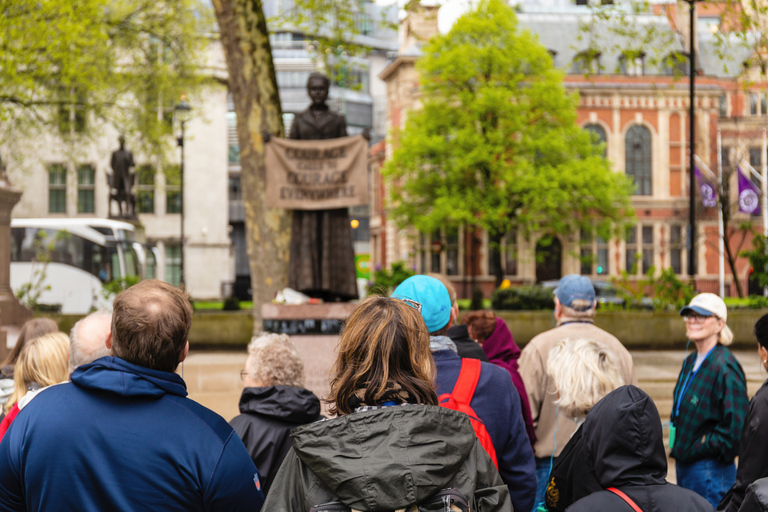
[571, 477]
[466, 346]
[268, 415]
[756, 499]
[753, 457]
[623, 445]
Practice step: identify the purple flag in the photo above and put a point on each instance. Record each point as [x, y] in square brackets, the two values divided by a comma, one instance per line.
[707, 189]
[749, 200]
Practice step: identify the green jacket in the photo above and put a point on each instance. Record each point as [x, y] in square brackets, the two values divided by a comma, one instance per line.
[386, 459]
[712, 410]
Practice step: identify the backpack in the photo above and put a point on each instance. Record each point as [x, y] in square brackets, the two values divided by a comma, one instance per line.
[461, 396]
[447, 500]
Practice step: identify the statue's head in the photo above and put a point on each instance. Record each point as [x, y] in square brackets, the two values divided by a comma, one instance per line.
[121, 140]
[317, 88]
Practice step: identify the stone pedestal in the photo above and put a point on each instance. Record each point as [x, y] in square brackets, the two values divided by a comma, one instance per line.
[11, 312]
[306, 319]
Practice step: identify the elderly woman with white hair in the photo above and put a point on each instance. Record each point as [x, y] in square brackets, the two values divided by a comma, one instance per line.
[273, 402]
[583, 371]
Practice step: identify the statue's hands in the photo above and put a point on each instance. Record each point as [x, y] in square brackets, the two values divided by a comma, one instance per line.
[266, 136]
[367, 134]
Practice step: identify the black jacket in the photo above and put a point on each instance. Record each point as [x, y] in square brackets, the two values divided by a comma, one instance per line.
[571, 477]
[466, 346]
[268, 415]
[753, 457]
[624, 447]
[386, 459]
[756, 499]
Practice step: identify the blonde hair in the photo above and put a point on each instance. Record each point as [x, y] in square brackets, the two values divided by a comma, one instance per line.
[273, 360]
[583, 371]
[725, 337]
[43, 360]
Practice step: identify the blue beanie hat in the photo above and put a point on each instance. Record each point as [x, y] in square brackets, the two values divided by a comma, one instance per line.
[433, 297]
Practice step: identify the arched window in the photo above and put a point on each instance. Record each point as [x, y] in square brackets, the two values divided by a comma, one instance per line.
[598, 135]
[638, 158]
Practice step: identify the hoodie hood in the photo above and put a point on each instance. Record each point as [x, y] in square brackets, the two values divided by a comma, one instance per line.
[623, 439]
[385, 459]
[500, 347]
[115, 375]
[288, 403]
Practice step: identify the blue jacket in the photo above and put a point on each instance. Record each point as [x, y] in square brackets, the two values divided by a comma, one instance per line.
[497, 404]
[123, 437]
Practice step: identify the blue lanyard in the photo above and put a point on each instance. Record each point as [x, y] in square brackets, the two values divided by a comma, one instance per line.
[688, 381]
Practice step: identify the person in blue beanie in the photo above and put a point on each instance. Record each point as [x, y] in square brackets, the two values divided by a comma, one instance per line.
[495, 401]
[122, 435]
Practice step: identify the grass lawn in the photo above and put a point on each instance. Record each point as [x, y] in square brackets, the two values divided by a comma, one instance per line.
[216, 305]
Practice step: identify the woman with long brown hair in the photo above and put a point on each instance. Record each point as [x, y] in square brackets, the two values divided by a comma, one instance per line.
[391, 446]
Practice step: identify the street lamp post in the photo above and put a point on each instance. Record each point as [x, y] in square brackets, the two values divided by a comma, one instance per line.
[692, 142]
[182, 113]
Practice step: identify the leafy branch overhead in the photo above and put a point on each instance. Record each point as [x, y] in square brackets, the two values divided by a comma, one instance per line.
[496, 145]
[71, 66]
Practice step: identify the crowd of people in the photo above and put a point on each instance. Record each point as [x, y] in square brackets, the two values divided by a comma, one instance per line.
[424, 414]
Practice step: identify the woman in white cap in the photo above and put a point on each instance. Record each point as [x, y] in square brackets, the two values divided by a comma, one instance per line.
[709, 404]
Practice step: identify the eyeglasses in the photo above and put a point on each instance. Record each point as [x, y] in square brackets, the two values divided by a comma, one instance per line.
[697, 319]
[243, 375]
[415, 305]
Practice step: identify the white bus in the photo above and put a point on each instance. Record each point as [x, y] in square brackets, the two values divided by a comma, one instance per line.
[85, 254]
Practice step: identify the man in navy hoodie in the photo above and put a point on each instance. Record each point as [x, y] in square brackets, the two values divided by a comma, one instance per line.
[122, 435]
[495, 401]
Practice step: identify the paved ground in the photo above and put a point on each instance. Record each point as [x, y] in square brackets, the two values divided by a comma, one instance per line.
[213, 378]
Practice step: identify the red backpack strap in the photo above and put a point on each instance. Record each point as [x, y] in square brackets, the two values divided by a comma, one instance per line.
[465, 386]
[625, 498]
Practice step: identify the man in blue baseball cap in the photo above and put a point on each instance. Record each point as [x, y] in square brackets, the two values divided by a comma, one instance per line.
[495, 400]
[574, 314]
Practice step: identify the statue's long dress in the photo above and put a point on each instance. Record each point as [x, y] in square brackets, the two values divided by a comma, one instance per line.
[322, 260]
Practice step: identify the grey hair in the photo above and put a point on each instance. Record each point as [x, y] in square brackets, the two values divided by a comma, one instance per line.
[273, 360]
[578, 312]
[583, 371]
[83, 349]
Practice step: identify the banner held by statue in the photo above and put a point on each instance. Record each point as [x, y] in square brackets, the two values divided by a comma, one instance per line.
[317, 174]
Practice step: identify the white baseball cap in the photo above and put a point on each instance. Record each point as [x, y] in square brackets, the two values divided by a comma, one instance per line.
[706, 304]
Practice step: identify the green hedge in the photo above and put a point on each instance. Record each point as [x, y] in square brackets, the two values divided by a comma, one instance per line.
[530, 298]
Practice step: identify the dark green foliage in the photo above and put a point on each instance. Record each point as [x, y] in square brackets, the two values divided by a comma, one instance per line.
[477, 299]
[523, 297]
[386, 280]
[231, 304]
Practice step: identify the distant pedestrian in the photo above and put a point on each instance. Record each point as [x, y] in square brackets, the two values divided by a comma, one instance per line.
[88, 339]
[391, 447]
[465, 345]
[583, 372]
[496, 340]
[30, 330]
[710, 403]
[273, 402]
[122, 435]
[624, 446]
[574, 313]
[494, 400]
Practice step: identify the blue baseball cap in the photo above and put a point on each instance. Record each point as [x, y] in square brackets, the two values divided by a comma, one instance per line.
[575, 287]
[432, 297]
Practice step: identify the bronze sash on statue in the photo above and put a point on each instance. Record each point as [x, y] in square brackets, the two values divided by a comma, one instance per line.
[317, 174]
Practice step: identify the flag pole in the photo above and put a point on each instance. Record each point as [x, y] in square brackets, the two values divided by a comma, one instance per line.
[765, 186]
[720, 206]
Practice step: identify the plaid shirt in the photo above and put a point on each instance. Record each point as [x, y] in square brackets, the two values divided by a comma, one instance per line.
[713, 409]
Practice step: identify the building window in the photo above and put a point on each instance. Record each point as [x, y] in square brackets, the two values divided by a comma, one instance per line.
[598, 135]
[753, 104]
[439, 252]
[755, 158]
[235, 188]
[86, 175]
[57, 188]
[233, 151]
[452, 252]
[145, 190]
[587, 61]
[676, 64]
[173, 189]
[173, 264]
[723, 105]
[676, 248]
[638, 158]
[763, 106]
[586, 252]
[725, 157]
[631, 251]
[506, 253]
[591, 246]
[648, 248]
[632, 64]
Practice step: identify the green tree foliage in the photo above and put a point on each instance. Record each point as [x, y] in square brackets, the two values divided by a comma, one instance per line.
[496, 145]
[71, 65]
[758, 259]
[386, 280]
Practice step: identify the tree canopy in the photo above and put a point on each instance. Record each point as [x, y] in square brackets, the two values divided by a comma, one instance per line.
[69, 65]
[496, 145]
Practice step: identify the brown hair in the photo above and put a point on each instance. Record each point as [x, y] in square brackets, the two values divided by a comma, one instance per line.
[30, 330]
[480, 324]
[150, 325]
[384, 342]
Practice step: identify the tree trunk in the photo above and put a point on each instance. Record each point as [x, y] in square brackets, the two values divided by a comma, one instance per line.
[494, 244]
[252, 82]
